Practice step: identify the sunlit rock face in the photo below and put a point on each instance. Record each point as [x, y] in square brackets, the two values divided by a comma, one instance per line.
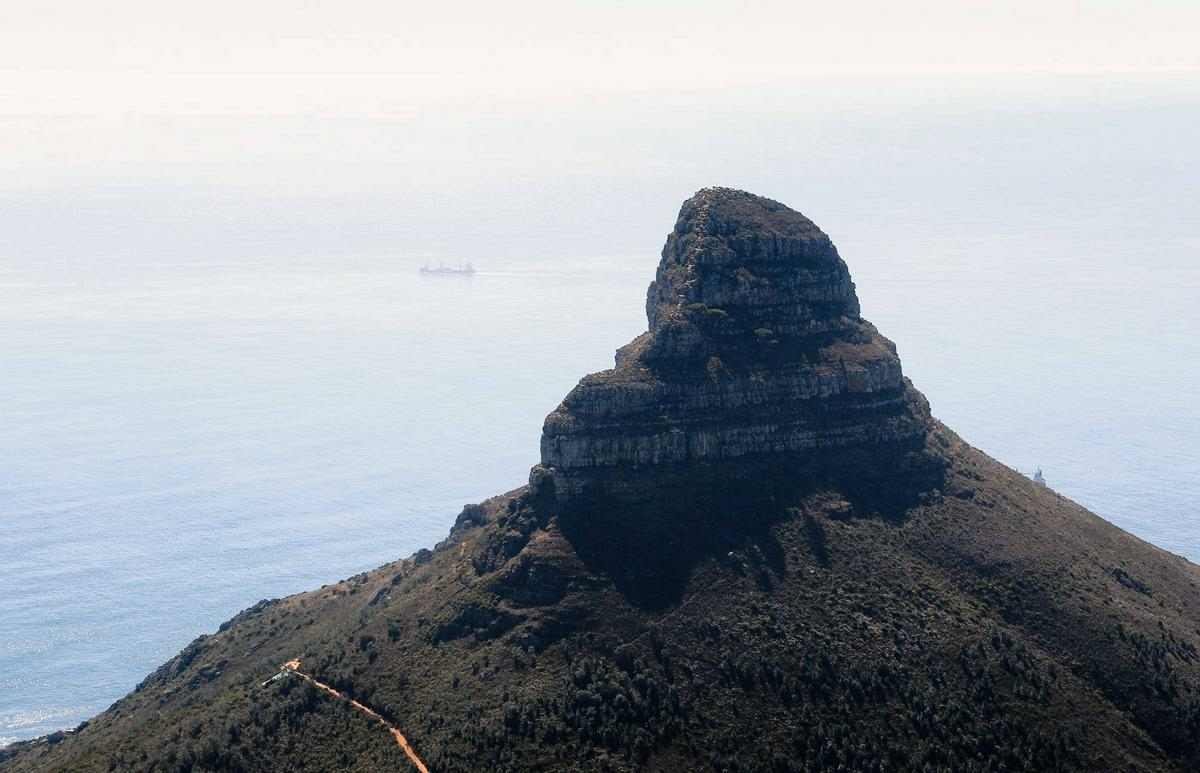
[755, 350]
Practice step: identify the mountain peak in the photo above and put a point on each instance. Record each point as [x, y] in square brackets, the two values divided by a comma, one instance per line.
[743, 253]
[755, 351]
[720, 211]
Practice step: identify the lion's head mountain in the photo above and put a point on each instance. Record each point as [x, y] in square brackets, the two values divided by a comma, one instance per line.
[748, 546]
[755, 348]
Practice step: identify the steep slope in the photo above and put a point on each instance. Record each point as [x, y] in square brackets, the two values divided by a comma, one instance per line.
[778, 561]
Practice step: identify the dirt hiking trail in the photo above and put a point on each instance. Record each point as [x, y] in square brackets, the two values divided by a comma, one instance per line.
[293, 666]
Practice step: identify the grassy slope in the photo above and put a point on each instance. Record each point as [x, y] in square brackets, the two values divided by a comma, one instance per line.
[992, 623]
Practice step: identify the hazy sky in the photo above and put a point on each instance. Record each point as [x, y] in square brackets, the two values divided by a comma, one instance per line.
[144, 124]
[151, 55]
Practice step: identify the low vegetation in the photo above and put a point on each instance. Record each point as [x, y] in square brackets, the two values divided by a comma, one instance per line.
[981, 627]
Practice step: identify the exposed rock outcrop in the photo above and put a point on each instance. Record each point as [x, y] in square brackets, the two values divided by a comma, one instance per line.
[755, 347]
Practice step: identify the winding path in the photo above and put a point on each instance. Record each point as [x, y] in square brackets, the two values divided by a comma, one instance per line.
[293, 666]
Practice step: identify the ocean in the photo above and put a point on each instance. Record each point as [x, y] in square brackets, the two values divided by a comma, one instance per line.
[206, 400]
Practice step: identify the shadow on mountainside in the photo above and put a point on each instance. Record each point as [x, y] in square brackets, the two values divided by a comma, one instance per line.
[649, 547]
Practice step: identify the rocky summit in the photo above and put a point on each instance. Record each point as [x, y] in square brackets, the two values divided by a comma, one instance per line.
[747, 547]
[755, 347]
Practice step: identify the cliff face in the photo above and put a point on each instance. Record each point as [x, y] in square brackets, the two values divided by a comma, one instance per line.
[755, 347]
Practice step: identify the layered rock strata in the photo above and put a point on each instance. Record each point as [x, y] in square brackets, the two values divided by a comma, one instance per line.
[755, 349]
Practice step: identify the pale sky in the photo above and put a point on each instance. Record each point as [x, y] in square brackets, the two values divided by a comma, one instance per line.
[285, 55]
[395, 99]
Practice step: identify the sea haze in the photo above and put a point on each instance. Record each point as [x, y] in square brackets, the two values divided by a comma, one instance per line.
[216, 393]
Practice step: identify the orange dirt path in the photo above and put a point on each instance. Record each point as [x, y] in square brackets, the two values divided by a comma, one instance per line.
[401, 741]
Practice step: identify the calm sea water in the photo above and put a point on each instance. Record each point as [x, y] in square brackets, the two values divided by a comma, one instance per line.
[184, 432]
[181, 442]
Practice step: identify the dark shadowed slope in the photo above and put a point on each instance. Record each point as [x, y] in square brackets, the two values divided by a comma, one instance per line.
[747, 547]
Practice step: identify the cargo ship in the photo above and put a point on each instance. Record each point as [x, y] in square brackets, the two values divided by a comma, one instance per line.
[440, 269]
